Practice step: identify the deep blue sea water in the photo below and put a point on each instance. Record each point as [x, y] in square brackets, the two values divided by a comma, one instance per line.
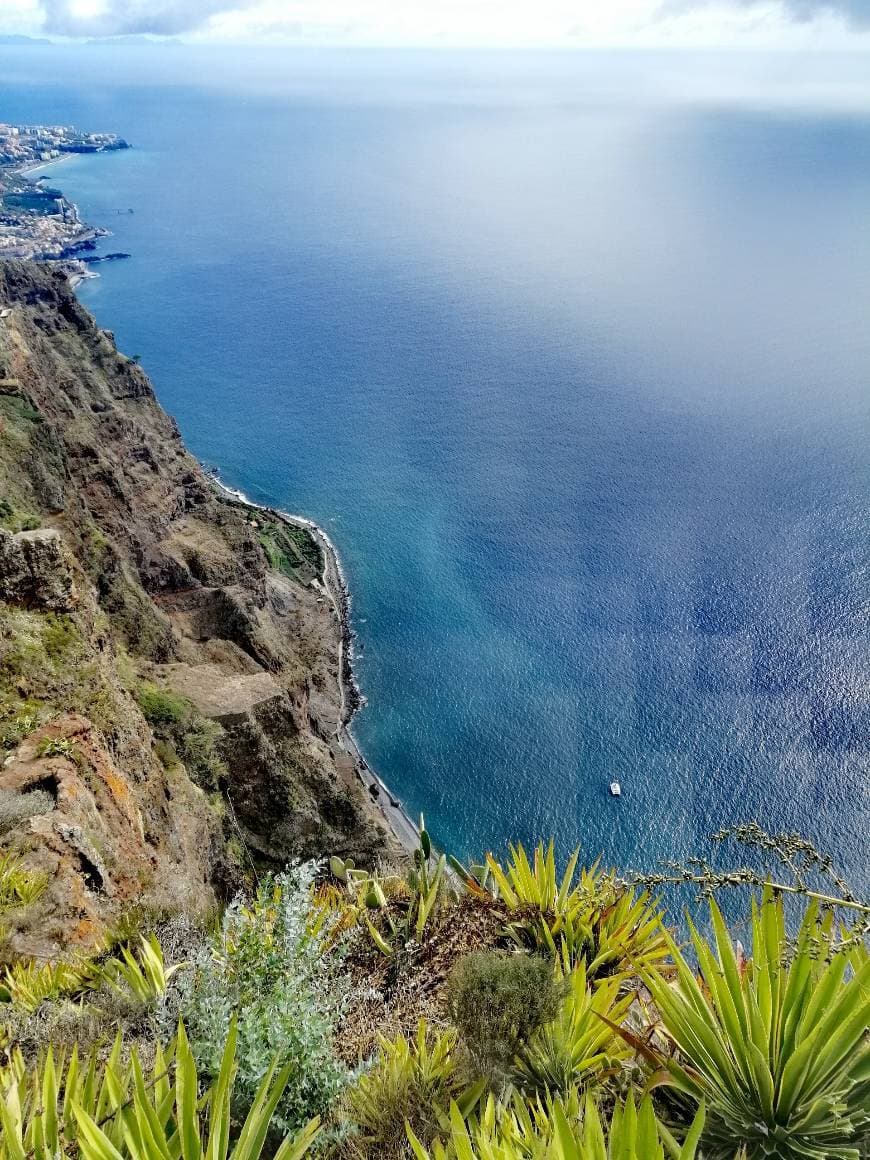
[570, 354]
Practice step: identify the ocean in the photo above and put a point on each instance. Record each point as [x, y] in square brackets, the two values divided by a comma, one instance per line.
[570, 355]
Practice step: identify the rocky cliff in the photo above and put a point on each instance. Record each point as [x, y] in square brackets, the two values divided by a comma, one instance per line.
[168, 677]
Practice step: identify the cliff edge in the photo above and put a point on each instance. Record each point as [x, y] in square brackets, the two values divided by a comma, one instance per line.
[169, 685]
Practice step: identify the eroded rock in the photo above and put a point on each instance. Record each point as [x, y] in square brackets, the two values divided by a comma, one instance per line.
[104, 842]
[35, 570]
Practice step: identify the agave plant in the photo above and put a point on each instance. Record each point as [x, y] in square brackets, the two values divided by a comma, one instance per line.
[778, 1047]
[594, 918]
[33, 1111]
[413, 1081]
[557, 1131]
[111, 1112]
[580, 1046]
[27, 984]
[627, 934]
[145, 976]
[18, 887]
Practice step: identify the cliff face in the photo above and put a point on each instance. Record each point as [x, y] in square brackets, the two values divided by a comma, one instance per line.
[126, 580]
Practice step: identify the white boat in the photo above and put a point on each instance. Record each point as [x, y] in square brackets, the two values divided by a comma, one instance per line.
[615, 788]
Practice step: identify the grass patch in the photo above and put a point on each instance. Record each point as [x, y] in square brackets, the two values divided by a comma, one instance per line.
[47, 668]
[183, 735]
[291, 550]
[35, 645]
[14, 520]
[15, 408]
[18, 718]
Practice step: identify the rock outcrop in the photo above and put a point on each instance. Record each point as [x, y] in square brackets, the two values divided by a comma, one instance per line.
[34, 570]
[134, 572]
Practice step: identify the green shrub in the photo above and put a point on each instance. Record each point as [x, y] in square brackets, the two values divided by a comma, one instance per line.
[192, 738]
[497, 1001]
[198, 747]
[56, 747]
[161, 708]
[14, 520]
[59, 634]
[165, 753]
[17, 721]
[412, 1082]
[269, 970]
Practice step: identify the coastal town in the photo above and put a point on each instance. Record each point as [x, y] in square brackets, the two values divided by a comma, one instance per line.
[36, 220]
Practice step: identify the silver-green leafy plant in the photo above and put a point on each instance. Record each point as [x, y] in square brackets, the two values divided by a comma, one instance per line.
[271, 971]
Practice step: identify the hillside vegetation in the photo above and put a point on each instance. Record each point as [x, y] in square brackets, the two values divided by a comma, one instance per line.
[514, 1010]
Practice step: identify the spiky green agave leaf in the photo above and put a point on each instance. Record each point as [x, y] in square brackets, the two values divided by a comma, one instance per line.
[777, 1048]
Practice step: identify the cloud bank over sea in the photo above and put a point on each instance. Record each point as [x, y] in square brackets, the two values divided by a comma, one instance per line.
[775, 24]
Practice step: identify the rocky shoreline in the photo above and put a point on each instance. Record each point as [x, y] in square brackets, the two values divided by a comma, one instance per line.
[334, 583]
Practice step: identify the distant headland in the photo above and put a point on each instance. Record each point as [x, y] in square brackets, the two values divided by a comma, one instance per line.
[13, 39]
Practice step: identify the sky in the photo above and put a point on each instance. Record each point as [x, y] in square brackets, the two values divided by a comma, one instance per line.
[770, 24]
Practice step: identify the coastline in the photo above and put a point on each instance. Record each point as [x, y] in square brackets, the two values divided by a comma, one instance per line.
[334, 584]
[68, 246]
[32, 166]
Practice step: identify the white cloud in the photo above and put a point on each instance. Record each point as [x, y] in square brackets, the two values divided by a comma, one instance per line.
[640, 23]
[20, 16]
[634, 23]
